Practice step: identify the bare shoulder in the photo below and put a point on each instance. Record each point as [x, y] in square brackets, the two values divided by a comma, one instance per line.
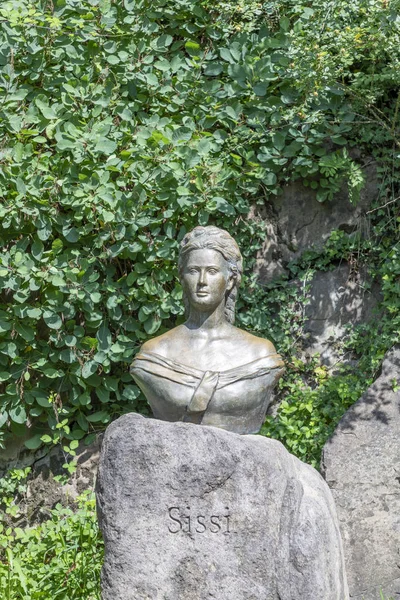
[162, 344]
[259, 347]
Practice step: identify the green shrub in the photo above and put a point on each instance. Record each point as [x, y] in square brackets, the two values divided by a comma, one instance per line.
[125, 124]
[59, 559]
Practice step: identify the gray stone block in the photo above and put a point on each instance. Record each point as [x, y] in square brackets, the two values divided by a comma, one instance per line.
[191, 513]
[361, 464]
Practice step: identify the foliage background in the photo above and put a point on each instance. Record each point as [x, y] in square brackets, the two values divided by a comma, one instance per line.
[124, 124]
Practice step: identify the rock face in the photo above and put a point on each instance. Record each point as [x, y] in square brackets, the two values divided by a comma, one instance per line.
[296, 221]
[191, 513]
[362, 466]
[337, 299]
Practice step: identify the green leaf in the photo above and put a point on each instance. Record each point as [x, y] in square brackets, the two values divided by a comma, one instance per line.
[89, 369]
[70, 340]
[67, 356]
[270, 179]
[130, 392]
[152, 324]
[45, 109]
[20, 186]
[104, 337]
[181, 134]
[4, 326]
[220, 204]
[226, 55]
[17, 414]
[105, 146]
[192, 47]
[52, 320]
[11, 350]
[111, 384]
[231, 113]
[18, 569]
[339, 139]
[182, 191]
[164, 41]
[204, 147]
[212, 69]
[25, 331]
[279, 140]
[260, 89]
[103, 395]
[43, 400]
[37, 249]
[34, 442]
[52, 373]
[96, 417]
[113, 59]
[58, 281]
[44, 232]
[3, 417]
[34, 313]
[108, 216]
[71, 235]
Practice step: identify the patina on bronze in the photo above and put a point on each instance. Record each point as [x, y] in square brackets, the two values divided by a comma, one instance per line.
[207, 371]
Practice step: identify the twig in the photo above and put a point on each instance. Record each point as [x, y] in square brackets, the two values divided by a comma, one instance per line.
[383, 205]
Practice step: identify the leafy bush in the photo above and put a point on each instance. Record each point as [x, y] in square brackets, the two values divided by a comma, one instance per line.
[59, 559]
[123, 126]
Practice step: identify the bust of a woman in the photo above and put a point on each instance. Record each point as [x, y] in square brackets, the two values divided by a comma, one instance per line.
[207, 371]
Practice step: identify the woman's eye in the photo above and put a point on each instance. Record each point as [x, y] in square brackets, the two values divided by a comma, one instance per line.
[212, 271]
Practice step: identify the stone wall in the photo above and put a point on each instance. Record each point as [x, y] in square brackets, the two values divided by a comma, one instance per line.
[297, 221]
[339, 298]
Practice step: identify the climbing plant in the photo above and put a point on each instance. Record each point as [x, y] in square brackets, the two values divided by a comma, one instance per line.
[124, 124]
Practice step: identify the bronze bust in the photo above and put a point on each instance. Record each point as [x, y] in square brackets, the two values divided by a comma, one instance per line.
[207, 371]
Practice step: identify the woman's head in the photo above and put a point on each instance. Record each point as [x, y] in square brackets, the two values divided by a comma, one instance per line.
[220, 241]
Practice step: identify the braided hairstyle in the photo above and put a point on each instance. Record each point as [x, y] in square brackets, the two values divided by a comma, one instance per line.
[217, 239]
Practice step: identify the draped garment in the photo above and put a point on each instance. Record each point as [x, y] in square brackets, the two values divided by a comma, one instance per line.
[203, 385]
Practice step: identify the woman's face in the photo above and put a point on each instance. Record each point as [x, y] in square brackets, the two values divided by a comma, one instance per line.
[206, 278]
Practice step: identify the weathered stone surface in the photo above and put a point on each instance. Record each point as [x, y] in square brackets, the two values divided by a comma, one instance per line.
[191, 513]
[337, 299]
[362, 466]
[297, 222]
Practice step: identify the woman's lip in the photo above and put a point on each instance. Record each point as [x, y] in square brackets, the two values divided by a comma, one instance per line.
[201, 293]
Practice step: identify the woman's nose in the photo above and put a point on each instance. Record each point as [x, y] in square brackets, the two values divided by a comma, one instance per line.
[202, 277]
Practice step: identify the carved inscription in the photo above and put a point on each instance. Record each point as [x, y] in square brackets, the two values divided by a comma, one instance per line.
[185, 521]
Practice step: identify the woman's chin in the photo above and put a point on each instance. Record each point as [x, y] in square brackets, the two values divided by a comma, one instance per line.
[204, 303]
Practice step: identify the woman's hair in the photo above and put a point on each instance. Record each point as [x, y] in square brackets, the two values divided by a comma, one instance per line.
[217, 239]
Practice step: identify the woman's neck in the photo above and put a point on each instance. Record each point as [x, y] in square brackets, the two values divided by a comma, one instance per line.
[207, 320]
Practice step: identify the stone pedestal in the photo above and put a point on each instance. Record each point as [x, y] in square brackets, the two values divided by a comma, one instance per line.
[190, 512]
